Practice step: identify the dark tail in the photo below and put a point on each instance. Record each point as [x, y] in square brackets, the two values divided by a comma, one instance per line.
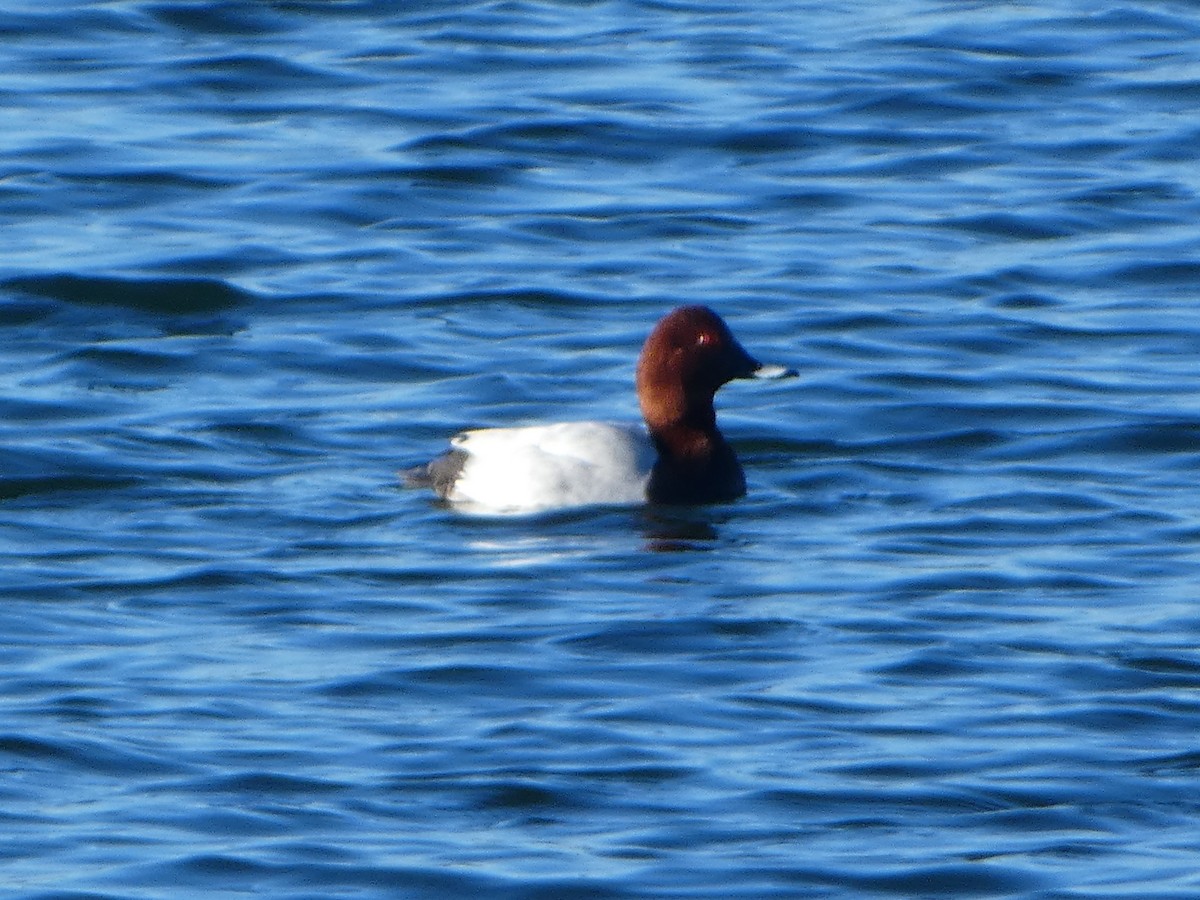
[441, 474]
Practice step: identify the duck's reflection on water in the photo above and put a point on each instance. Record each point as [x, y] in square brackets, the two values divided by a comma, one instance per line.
[566, 537]
[678, 529]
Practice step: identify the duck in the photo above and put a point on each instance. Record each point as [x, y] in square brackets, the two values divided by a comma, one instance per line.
[678, 456]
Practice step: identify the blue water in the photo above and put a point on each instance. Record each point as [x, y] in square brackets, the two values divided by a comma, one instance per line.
[257, 257]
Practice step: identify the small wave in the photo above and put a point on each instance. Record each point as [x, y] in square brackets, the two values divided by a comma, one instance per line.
[529, 298]
[216, 18]
[1132, 439]
[256, 73]
[1166, 272]
[89, 756]
[128, 359]
[14, 488]
[159, 296]
[1010, 227]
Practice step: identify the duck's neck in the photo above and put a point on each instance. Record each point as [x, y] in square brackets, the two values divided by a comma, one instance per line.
[683, 424]
[695, 465]
[686, 440]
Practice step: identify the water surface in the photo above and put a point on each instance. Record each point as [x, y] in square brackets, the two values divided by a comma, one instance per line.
[259, 257]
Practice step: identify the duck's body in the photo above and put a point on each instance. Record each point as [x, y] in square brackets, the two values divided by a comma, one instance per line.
[545, 466]
[680, 456]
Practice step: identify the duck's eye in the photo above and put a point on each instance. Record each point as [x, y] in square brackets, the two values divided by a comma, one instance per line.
[705, 339]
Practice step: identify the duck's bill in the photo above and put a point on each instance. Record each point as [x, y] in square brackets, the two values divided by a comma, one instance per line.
[773, 371]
